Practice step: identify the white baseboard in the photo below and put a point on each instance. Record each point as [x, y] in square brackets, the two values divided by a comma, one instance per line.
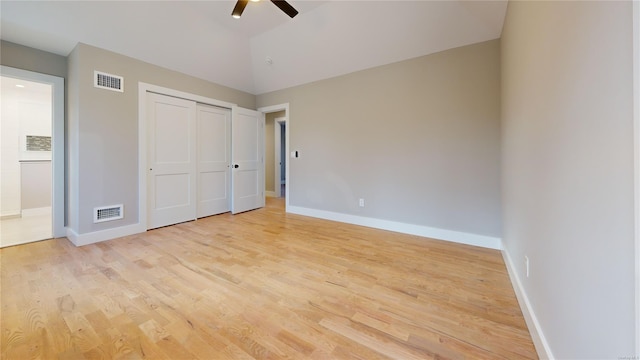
[103, 235]
[36, 211]
[539, 340]
[270, 193]
[434, 233]
[10, 214]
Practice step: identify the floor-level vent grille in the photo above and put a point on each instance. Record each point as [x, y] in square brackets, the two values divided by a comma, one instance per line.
[107, 81]
[108, 213]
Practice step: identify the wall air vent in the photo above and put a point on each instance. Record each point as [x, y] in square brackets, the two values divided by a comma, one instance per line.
[107, 81]
[108, 213]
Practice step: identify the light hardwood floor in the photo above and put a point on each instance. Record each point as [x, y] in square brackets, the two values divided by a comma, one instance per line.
[259, 285]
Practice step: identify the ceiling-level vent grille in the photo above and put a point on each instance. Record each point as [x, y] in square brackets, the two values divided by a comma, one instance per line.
[108, 213]
[107, 81]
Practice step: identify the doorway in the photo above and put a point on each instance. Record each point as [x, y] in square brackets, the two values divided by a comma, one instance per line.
[31, 157]
[282, 129]
[280, 177]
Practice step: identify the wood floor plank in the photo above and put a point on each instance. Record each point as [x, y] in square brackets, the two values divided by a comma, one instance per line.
[259, 285]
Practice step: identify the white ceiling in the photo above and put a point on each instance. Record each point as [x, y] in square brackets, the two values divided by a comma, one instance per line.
[200, 38]
[24, 90]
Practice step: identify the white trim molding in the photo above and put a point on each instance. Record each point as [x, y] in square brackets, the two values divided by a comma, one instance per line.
[104, 235]
[411, 229]
[10, 214]
[36, 211]
[636, 121]
[539, 341]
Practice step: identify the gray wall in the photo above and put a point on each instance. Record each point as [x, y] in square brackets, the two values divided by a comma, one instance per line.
[103, 131]
[26, 58]
[567, 126]
[419, 140]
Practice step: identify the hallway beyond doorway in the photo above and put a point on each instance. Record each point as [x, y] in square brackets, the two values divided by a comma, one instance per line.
[25, 229]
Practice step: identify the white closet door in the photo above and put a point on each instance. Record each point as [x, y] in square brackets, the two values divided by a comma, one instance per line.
[247, 143]
[172, 160]
[214, 157]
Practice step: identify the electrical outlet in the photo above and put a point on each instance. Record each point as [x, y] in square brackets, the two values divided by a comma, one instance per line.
[526, 265]
[361, 202]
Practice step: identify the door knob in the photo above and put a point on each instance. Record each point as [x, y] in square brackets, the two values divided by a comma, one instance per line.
[236, 166]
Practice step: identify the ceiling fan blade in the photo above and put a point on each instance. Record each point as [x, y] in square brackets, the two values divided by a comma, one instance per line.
[239, 8]
[286, 7]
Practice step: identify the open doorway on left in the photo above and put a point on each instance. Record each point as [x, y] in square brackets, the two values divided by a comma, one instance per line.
[27, 173]
[275, 151]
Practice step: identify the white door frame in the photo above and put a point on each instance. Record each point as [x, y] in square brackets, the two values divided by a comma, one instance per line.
[143, 89]
[287, 119]
[57, 141]
[636, 106]
[277, 151]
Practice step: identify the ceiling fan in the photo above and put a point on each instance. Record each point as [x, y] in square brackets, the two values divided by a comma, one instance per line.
[283, 5]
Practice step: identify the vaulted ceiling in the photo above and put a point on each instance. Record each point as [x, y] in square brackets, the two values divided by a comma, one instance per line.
[200, 38]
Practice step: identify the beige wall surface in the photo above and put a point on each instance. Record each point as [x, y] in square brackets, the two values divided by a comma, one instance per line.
[26, 58]
[103, 131]
[418, 140]
[567, 145]
[35, 189]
